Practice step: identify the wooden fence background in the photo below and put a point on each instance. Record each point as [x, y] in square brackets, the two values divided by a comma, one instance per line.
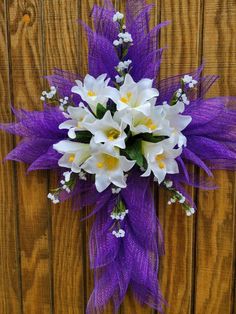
[43, 248]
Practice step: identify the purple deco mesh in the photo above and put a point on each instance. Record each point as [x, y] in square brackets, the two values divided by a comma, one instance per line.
[131, 262]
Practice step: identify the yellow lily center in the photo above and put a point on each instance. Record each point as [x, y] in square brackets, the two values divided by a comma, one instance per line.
[100, 165]
[160, 161]
[113, 134]
[108, 162]
[149, 124]
[71, 157]
[126, 98]
[91, 93]
[79, 123]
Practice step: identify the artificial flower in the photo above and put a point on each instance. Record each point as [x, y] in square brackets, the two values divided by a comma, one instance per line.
[74, 154]
[108, 131]
[76, 118]
[141, 123]
[93, 90]
[134, 96]
[177, 123]
[160, 159]
[108, 167]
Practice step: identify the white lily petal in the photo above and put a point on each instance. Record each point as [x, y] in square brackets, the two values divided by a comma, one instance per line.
[68, 124]
[101, 182]
[71, 133]
[172, 166]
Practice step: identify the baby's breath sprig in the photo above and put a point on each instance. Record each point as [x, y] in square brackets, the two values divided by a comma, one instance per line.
[67, 184]
[118, 215]
[122, 45]
[49, 96]
[187, 83]
[178, 197]
[52, 98]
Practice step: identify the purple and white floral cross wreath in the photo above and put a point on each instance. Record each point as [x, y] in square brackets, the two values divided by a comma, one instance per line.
[114, 132]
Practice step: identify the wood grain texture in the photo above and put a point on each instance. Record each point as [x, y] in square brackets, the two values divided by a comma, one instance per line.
[44, 263]
[182, 39]
[216, 215]
[10, 289]
[62, 44]
[26, 60]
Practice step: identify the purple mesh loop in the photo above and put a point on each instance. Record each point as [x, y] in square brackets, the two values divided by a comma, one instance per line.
[167, 87]
[208, 149]
[102, 57]
[103, 22]
[49, 160]
[144, 70]
[64, 81]
[139, 25]
[203, 182]
[190, 156]
[40, 131]
[183, 168]
[29, 149]
[146, 43]
[135, 259]
[133, 9]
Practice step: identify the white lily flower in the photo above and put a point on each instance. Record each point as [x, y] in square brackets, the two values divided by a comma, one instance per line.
[160, 159]
[108, 167]
[108, 131]
[76, 118]
[134, 96]
[140, 123]
[93, 90]
[177, 122]
[74, 154]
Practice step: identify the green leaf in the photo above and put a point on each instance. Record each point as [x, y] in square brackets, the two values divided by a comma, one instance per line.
[134, 151]
[83, 136]
[101, 110]
[151, 138]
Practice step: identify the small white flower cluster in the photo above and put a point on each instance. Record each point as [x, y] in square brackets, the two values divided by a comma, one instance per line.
[119, 79]
[119, 234]
[63, 102]
[190, 211]
[64, 182]
[121, 68]
[123, 65]
[115, 190]
[116, 42]
[54, 198]
[125, 37]
[48, 95]
[178, 197]
[118, 16]
[182, 97]
[168, 183]
[119, 216]
[188, 80]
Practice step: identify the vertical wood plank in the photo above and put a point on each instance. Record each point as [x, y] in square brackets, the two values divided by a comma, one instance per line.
[216, 214]
[10, 288]
[181, 38]
[62, 45]
[26, 60]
